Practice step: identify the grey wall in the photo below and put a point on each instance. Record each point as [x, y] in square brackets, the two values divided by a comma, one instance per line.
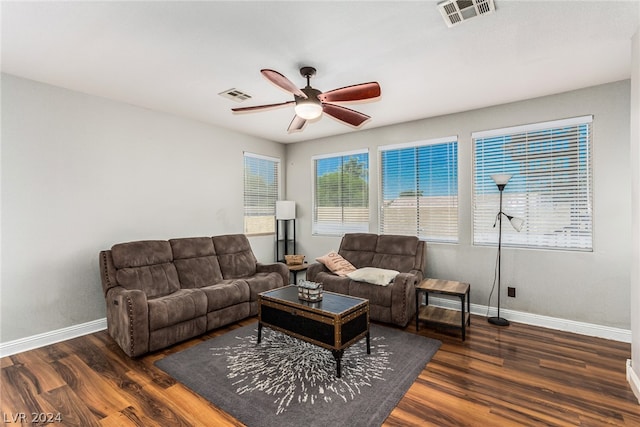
[586, 287]
[80, 173]
[635, 211]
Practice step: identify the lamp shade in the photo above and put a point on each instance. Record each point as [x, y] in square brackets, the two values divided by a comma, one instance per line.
[285, 209]
[516, 223]
[501, 178]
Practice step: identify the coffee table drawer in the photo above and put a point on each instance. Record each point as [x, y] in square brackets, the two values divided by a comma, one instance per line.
[296, 323]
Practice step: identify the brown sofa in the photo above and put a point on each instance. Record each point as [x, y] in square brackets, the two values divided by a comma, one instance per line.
[161, 292]
[394, 303]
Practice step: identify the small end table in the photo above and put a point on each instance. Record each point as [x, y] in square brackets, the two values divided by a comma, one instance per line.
[444, 316]
[295, 268]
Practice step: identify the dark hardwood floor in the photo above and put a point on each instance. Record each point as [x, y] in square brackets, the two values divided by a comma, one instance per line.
[513, 376]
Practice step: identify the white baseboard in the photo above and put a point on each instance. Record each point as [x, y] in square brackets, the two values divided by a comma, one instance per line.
[634, 381]
[52, 337]
[590, 329]
[582, 328]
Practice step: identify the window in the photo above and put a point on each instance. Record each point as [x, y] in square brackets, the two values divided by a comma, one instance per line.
[419, 189]
[550, 188]
[341, 193]
[261, 190]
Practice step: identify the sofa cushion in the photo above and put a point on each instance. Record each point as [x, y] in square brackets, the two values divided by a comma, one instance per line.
[192, 247]
[261, 282]
[377, 295]
[336, 263]
[397, 253]
[359, 248]
[154, 280]
[332, 283]
[224, 295]
[142, 253]
[145, 265]
[373, 275]
[196, 262]
[235, 256]
[198, 272]
[180, 306]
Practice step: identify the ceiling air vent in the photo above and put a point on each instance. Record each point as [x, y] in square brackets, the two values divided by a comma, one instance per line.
[457, 11]
[235, 95]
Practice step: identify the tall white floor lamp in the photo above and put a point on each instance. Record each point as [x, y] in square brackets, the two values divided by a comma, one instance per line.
[501, 181]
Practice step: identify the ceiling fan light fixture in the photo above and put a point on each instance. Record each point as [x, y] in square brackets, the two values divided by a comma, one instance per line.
[308, 109]
[311, 104]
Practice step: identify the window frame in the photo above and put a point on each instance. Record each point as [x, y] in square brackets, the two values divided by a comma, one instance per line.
[343, 227]
[455, 223]
[529, 205]
[278, 168]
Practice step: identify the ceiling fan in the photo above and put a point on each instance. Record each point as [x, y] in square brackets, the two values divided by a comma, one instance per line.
[310, 103]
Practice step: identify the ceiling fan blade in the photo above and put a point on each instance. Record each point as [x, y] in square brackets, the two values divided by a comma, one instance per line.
[261, 107]
[347, 115]
[297, 124]
[352, 93]
[283, 82]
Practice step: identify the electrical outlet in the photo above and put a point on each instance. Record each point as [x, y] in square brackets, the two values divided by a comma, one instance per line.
[511, 292]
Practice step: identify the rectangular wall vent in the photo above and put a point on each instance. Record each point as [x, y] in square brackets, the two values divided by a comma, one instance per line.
[235, 94]
[456, 11]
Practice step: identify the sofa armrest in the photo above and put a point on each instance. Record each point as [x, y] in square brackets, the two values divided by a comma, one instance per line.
[314, 269]
[277, 267]
[403, 297]
[407, 280]
[419, 275]
[128, 320]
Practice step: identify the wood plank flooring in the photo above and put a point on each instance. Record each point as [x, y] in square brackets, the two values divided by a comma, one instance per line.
[514, 376]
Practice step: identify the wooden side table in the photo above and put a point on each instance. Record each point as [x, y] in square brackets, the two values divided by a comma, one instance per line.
[295, 268]
[444, 316]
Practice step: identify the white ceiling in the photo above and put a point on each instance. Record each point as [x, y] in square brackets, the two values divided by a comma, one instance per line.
[177, 56]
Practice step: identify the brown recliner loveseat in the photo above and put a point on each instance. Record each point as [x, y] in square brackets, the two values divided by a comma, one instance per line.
[394, 303]
[161, 292]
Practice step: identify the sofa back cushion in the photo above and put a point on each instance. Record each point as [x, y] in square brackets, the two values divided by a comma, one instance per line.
[146, 265]
[359, 248]
[141, 253]
[196, 262]
[235, 256]
[401, 253]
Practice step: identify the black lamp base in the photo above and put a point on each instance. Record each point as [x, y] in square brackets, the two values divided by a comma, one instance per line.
[499, 321]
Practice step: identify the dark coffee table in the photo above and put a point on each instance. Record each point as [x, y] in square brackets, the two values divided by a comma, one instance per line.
[334, 323]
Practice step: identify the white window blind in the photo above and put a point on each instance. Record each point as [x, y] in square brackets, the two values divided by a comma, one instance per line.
[341, 193]
[261, 190]
[551, 186]
[419, 189]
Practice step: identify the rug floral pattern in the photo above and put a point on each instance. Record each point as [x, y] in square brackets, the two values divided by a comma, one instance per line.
[293, 371]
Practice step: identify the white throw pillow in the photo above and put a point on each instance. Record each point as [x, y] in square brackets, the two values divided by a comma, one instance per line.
[376, 276]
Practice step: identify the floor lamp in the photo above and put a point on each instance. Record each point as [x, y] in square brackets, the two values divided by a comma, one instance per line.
[501, 181]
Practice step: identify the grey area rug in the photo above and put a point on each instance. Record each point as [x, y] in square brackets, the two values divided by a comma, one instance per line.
[284, 381]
